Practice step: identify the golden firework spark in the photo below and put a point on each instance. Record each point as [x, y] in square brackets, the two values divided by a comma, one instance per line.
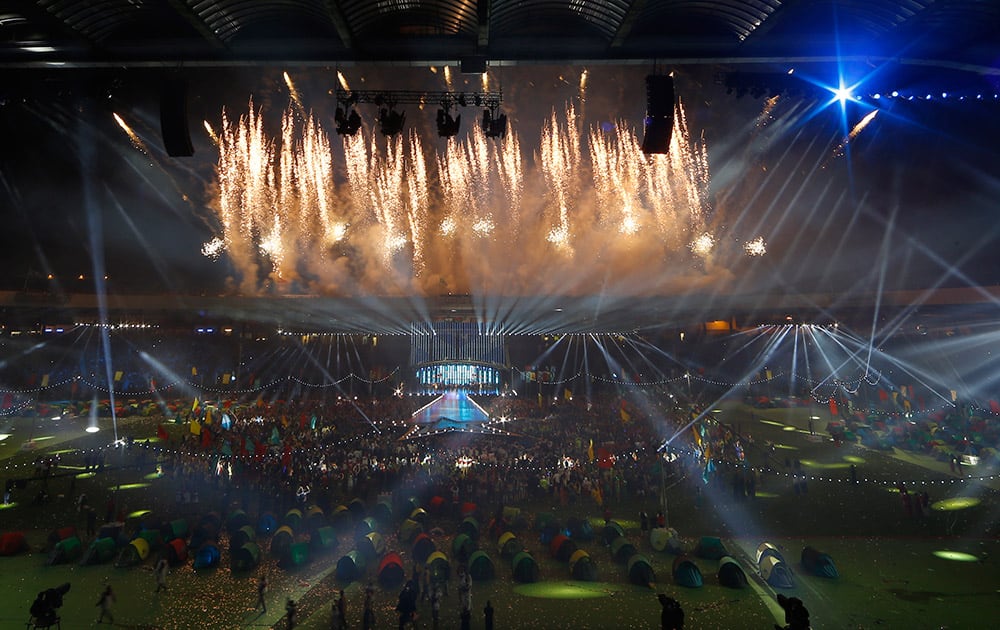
[756, 247]
[703, 244]
[294, 93]
[132, 136]
[211, 132]
[342, 80]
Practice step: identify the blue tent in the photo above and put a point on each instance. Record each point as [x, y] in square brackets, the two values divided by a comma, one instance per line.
[686, 573]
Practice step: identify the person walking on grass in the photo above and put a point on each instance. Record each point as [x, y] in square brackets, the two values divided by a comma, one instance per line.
[261, 589]
[160, 572]
[105, 602]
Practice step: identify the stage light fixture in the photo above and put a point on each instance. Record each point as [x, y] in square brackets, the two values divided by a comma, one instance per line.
[447, 126]
[390, 121]
[348, 121]
[494, 123]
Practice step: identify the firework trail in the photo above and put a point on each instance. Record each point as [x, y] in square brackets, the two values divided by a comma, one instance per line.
[132, 136]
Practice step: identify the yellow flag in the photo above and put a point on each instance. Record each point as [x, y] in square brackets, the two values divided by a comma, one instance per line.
[590, 451]
[568, 395]
[208, 416]
[194, 371]
[45, 380]
[225, 378]
[195, 427]
[118, 375]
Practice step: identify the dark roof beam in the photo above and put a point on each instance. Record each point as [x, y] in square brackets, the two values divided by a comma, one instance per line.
[483, 23]
[197, 23]
[625, 27]
[340, 23]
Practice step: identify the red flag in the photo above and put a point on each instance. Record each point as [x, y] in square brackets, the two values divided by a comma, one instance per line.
[162, 433]
[206, 438]
[833, 407]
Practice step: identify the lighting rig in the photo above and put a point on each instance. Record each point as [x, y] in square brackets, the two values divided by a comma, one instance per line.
[494, 121]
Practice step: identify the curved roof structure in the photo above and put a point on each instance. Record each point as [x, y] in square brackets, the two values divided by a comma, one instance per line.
[122, 32]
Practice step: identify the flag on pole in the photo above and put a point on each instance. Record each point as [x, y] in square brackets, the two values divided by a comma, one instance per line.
[45, 380]
[195, 406]
[590, 451]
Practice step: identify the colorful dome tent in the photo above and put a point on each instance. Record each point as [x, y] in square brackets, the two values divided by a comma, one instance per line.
[419, 515]
[622, 549]
[351, 566]
[100, 551]
[315, 518]
[776, 573]
[468, 509]
[245, 558]
[686, 573]
[296, 555]
[550, 530]
[242, 536]
[409, 530]
[481, 566]
[818, 563]
[283, 538]
[543, 519]
[323, 540]
[292, 518]
[372, 546]
[731, 573]
[640, 571]
[13, 543]
[341, 519]
[204, 532]
[470, 527]
[66, 550]
[562, 547]
[133, 553]
[382, 512]
[208, 556]
[357, 508]
[153, 538]
[524, 567]
[423, 547]
[580, 529]
[177, 551]
[582, 567]
[364, 527]
[110, 530]
[462, 547]
[439, 567]
[236, 520]
[177, 528]
[710, 548]
[765, 549]
[390, 571]
[665, 539]
[60, 534]
[611, 531]
[508, 545]
[267, 524]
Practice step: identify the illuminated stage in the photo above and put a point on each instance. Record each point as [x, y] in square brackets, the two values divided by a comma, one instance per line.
[450, 412]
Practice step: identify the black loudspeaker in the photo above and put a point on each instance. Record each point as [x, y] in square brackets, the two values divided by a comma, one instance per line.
[659, 113]
[173, 120]
[472, 65]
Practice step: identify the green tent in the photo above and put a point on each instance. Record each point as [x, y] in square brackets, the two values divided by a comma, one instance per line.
[293, 518]
[524, 567]
[508, 544]
[66, 550]
[437, 563]
[245, 558]
[462, 546]
[296, 556]
[242, 536]
[101, 550]
[480, 566]
[323, 540]
[283, 538]
[409, 530]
